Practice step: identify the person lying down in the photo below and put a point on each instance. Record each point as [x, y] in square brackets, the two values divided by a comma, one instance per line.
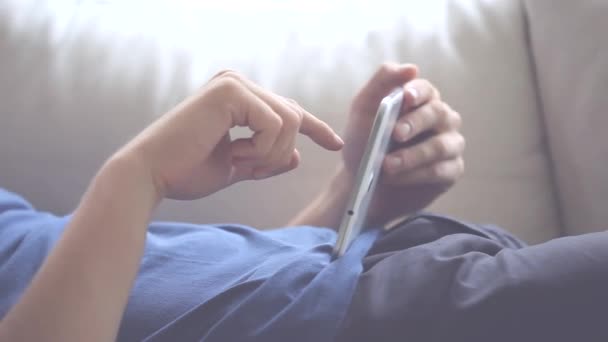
[106, 272]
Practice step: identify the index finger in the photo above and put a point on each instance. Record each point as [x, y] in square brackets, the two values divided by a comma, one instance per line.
[320, 132]
[314, 128]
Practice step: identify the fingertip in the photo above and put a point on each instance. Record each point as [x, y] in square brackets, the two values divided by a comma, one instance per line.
[321, 133]
[329, 140]
[338, 143]
[410, 71]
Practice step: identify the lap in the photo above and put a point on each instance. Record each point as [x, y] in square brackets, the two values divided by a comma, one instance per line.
[435, 279]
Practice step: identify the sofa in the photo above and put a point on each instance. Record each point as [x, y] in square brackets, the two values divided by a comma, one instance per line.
[529, 77]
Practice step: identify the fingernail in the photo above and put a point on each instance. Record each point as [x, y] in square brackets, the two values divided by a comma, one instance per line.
[414, 94]
[393, 163]
[403, 131]
[338, 139]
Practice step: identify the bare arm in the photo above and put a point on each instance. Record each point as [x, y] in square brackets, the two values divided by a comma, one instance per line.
[327, 208]
[82, 288]
[80, 291]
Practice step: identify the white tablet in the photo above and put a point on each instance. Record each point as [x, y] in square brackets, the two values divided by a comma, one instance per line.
[369, 170]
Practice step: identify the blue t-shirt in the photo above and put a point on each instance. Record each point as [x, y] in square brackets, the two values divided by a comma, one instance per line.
[203, 282]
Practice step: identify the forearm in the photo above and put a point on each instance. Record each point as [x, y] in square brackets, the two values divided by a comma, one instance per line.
[327, 208]
[81, 290]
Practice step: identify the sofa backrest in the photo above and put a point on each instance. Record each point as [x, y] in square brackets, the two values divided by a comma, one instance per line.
[77, 82]
[570, 51]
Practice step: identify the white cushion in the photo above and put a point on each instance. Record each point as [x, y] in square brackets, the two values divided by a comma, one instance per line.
[82, 80]
[571, 55]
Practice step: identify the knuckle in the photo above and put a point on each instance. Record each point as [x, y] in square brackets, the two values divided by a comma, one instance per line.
[228, 84]
[228, 73]
[453, 118]
[442, 146]
[424, 154]
[386, 68]
[436, 92]
[440, 110]
[276, 122]
[294, 117]
[419, 120]
[424, 83]
[427, 87]
[221, 73]
[292, 102]
[297, 115]
[437, 171]
[426, 118]
[291, 121]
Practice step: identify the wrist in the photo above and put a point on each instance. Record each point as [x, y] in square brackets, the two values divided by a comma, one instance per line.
[127, 171]
[340, 186]
[329, 205]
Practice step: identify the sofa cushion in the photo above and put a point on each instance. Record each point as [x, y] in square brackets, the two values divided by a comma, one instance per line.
[571, 55]
[477, 54]
[79, 81]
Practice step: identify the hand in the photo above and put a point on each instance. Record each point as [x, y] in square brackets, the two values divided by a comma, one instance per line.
[427, 157]
[185, 154]
[190, 154]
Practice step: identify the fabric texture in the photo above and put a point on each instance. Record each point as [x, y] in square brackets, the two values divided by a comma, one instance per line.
[79, 80]
[437, 279]
[569, 45]
[430, 279]
[207, 283]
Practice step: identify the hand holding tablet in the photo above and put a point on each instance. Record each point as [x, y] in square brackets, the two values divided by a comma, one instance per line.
[369, 170]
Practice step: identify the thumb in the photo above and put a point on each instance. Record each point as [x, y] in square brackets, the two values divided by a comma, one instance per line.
[388, 77]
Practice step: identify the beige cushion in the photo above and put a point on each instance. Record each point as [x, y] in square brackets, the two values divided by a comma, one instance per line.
[571, 54]
[81, 81]
[478, 56]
